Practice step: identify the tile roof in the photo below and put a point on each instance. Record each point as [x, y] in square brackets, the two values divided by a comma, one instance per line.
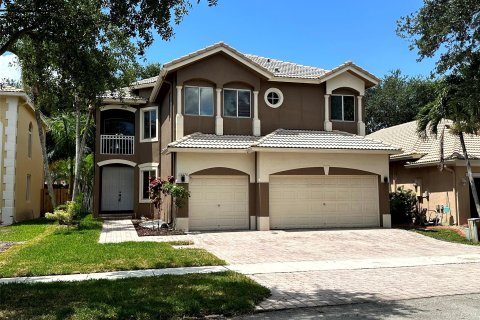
[212, 141]
[122, 93]
[427, 149]
[287, 69]
[330, 140]
[7, 88]
[151, 80]
[281, 138]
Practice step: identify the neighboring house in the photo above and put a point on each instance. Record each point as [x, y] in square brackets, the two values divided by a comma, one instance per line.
[418, 168]
[260, 144]
[21, 161]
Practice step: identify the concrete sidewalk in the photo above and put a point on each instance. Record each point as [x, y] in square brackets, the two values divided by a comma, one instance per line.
[264, 268]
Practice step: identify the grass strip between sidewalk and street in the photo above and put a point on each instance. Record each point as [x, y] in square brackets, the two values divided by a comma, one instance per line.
[164, 297]
[53, 249]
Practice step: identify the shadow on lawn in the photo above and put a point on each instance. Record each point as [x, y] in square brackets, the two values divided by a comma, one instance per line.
[166, 297]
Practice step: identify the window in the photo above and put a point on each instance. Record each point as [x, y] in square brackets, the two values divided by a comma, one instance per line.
[146, 171]
[236, 103]
[343, 108]
[27, 188]
[29, 146]
[149, 124]
[273, 97]
[198, 101]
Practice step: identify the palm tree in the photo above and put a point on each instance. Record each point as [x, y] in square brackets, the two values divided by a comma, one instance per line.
[458, 100]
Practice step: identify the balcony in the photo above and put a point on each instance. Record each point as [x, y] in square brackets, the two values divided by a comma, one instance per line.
[117, 144]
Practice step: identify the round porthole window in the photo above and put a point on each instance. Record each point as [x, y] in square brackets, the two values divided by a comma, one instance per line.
[273, 97]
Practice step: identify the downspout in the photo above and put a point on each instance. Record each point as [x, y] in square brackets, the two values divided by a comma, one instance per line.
[454, 176]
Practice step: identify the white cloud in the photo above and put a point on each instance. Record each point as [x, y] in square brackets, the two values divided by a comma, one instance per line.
[9, 67]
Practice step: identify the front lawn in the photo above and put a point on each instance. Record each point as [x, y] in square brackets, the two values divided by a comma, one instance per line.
[52, 249]
[445, 235]
[165, 297]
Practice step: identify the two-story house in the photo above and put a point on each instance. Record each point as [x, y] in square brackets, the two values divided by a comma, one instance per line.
[259, 143]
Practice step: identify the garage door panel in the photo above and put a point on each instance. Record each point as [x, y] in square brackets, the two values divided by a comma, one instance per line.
[323, 201]
[218, 203]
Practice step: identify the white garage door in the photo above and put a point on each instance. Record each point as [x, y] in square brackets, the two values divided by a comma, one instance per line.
[323, 201]
[218, 203]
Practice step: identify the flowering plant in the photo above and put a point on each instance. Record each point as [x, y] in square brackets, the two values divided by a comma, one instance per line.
[160, 188]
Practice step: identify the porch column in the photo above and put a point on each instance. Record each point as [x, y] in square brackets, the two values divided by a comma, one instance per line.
[256, 120]
[219, 119]
[327, 124]
[360, 123]
[179, 116]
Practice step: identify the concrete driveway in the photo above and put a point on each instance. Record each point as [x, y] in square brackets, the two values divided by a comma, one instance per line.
[319, 245]
[341, 267]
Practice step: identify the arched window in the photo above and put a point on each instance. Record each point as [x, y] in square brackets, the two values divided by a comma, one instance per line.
[30, 129]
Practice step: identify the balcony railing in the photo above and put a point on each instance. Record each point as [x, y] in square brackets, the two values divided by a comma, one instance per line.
[117, 144]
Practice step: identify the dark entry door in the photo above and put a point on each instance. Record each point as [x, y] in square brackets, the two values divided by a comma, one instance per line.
[473, 210]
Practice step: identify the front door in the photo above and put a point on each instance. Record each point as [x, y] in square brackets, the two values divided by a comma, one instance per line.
[473, 209]
[117, 189]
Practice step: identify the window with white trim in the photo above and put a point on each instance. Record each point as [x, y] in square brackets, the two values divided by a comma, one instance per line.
[145, 174]
[273, 97]
[237, 103]
[29, 146]
[342, 108]
[28, 187]
[149, 124]
[198, 101]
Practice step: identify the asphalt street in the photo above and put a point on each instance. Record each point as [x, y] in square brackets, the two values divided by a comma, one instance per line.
[458, 307]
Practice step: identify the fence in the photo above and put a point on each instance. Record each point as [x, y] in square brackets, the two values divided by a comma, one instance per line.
[61, 195]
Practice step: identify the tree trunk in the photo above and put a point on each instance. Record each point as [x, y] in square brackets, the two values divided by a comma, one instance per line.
[43, 145]
[473, 188]
[80, 141]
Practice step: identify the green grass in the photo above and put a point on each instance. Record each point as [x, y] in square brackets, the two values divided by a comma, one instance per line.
[165, 297]
[24, 231]
[59, 250]
[445, 235]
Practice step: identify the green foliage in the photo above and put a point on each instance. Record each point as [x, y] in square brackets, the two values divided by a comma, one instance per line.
[76, 250]
[191, 296]
[445, 235]
[148, 71]
[403, 206]
[160, 188]
[60, 215]
[396, 100]
[450, 28]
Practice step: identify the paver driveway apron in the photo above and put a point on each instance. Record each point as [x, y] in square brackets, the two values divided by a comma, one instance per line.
[328, 267]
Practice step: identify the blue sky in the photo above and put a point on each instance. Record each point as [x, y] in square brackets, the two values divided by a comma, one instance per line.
[311, 32]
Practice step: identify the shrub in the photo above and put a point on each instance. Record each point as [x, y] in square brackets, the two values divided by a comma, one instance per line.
[403, 206]
[62, 216]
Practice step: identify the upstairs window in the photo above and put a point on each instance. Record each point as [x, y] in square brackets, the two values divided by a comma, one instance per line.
[236, 103]
[343, 108]
[149, 124]
[29, 146]
[198, 101]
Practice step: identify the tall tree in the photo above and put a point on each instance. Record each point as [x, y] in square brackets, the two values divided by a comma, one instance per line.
[450, 28]
[74, 50]
[396, 100]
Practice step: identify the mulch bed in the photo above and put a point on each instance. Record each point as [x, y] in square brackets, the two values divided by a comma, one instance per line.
[145, 232]
[460, 230]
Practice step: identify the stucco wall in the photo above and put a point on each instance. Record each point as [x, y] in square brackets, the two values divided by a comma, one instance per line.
[24, 165]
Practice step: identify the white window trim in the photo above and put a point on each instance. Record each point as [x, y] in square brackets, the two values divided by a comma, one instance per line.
[142, 168]
[343, 111]
[185, 102]
[142, 111]
[223, 103]
[280, 96]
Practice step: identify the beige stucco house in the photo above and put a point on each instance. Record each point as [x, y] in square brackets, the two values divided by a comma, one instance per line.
[417, 168]
[21, 169]
[260, 143]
